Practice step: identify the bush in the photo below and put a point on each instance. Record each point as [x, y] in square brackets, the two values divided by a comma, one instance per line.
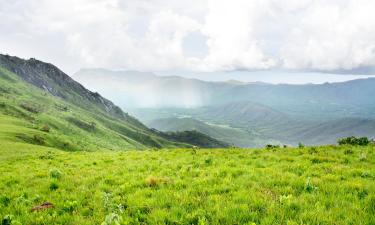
[362, 141]
[300, 145]
[269, 146]
[45, 128]
[31, 108]
[53, 186]
[38, 139]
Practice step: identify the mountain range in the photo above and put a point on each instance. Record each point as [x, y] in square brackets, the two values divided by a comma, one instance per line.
[240, 113]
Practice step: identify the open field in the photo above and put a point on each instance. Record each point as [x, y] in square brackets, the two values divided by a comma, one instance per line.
[311, 185]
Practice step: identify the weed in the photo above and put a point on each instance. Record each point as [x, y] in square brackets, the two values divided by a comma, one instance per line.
[112, 219]
[363, 157]
[309, 187]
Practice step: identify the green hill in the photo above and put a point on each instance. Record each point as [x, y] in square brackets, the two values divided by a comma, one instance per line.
[39, 104]
[235, 136]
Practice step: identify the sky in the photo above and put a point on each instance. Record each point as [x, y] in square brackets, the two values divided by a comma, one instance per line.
[325, 36]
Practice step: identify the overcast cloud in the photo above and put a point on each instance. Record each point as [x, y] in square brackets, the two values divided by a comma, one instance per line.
[197, 35]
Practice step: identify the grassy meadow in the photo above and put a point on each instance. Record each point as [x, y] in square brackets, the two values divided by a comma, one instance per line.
[310, 185]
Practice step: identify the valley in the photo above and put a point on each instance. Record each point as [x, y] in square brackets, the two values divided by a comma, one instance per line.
[256, 113]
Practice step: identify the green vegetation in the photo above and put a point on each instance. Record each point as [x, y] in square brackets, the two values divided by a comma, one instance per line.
[69, 117]
[312, 185]
[354, 141]
[67, 156]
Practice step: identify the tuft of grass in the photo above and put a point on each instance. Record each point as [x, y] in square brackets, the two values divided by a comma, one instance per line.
[55, 173]
[153, 181]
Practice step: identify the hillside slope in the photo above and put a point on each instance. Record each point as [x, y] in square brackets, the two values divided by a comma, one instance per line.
[235, 136]
[39, 104]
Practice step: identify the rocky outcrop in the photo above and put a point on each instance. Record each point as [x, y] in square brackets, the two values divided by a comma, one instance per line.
[52, 80]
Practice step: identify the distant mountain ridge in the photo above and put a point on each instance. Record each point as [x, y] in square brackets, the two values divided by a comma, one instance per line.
[129, 88]
[263, 113]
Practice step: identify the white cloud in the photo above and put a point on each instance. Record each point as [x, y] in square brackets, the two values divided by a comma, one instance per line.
[149, 35]
[332, 35]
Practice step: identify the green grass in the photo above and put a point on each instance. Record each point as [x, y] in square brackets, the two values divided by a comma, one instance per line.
[312, 185]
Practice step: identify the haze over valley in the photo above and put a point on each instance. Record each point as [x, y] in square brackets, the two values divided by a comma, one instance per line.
[245, 114]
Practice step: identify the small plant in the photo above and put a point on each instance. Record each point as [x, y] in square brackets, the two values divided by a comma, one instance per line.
[107, 201]
[4, 200]
[55, 173]
[112, 219]
[348, 152]
[309, 187]
[363, 157]
[70, 206]
[300, 145]
[285, 198]
[208, 161]
[53, 186]
[7, 220]
[313, 150]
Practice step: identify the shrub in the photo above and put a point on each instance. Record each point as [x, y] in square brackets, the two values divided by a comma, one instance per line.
[348, 152]
[4, 200]
[208, 161]
[45, 128]
[269, 146]
[300, 145]
[362, 141]
[70, 206]
[53, 186]
[30, 108]
[38, 139]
